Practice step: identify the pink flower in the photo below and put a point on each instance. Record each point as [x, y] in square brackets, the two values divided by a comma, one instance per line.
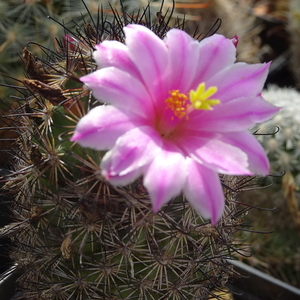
[178, 115]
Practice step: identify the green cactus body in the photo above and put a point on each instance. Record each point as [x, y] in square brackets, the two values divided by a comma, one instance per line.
[75, 236]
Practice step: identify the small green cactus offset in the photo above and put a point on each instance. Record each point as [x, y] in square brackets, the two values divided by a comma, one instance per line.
[75, 236]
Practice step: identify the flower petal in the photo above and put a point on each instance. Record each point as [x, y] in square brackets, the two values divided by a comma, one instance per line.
[115, 54]
[132, 151]
[246, 142]
[213, 153]
[123, 180]
[149, 54]
[165, 176]
[204, 192]
[239, 80]
[215, 53]
[183, 55]
[120, 89]
[102, 126]
[235, 115]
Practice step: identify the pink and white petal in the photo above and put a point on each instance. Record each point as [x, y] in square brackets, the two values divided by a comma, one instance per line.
[215, 154]
[115, 54]
[123, 180]
[236, 115]
[183, 53]
[102, 126]
[239, 80]
[257, 158]
[132, 151]
[114, 86]
[215, 53]
[165, 176]
[150, 55]
[204, 192]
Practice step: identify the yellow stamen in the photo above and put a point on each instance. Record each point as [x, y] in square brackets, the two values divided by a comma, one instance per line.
[199, 98]
[181, 104]
[178, 102]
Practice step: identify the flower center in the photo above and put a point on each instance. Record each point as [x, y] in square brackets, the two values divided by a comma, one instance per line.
[199, 99]
[178, 102]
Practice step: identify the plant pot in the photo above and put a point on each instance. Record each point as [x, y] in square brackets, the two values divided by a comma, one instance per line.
[256, 285]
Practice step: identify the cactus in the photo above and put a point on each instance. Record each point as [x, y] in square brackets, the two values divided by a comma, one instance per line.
[24, 21]
[277, 253]
[283, 146]
[75, 236]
